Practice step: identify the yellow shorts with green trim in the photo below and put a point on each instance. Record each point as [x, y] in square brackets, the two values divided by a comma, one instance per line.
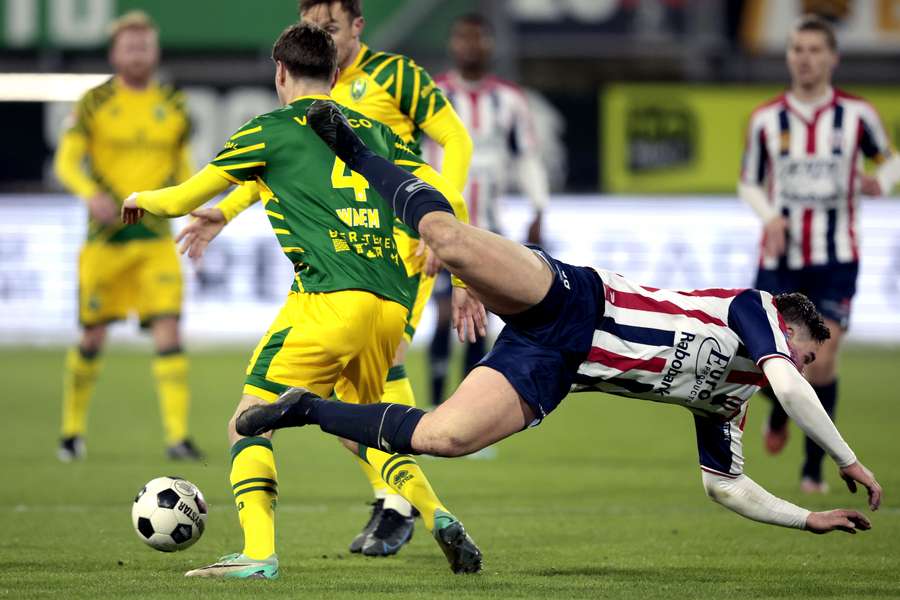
[420, 284]
[342, 342]
[115, 280]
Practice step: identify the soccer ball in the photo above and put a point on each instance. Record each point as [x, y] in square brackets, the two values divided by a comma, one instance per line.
[169, 514]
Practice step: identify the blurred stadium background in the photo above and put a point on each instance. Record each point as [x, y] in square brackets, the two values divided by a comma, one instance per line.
[641, 106]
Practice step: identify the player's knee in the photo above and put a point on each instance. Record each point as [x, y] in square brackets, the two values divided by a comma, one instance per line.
[246, 402]
[92, 338]
[444, 237]
[448, 443]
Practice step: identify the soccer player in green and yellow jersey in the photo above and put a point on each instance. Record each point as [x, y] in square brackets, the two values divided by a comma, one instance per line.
[345, 314]
[394, 90]
[132, 132]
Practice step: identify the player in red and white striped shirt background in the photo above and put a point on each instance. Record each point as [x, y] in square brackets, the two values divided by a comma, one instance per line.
[802, 173]
[498, 118]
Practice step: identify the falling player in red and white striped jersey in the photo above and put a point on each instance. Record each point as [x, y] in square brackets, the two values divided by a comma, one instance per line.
[802, 174]
[574, 328]
[498, 118]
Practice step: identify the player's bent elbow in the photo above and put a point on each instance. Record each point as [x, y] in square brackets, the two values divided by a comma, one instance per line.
[716, 488]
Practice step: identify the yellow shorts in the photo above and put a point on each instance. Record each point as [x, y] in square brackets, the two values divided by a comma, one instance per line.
[114, 280]
[341, 342]
[420, 284]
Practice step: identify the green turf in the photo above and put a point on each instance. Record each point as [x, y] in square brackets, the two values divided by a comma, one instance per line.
[603, 500]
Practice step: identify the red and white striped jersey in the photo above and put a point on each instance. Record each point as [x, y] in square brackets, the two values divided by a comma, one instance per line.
[700, 349]
[496, 115]
[809, 157]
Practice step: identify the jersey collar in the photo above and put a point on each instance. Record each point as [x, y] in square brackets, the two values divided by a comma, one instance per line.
[311, 97]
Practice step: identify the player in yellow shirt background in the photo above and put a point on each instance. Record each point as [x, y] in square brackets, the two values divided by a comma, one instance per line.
[128, 133]
[394, 90]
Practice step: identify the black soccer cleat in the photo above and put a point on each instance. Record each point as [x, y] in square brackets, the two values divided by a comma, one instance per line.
[289, 410]
[330, 124]
[459, 548]
[356, 545]
[392, 533]
[184, 450]
[71, 449]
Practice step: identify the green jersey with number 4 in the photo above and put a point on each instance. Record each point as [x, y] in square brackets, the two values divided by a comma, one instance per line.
[336, 230]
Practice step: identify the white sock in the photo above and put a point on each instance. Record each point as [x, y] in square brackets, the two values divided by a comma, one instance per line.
[398, 503]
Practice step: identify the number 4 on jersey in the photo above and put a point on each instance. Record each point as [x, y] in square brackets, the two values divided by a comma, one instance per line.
[341, 179]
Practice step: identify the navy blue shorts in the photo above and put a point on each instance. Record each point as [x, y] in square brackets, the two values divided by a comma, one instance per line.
[539, 351]
[830, 287]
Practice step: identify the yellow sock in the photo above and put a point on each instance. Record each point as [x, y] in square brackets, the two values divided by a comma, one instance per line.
[79, 379]
[379, 487]
[171, 371]
[254, 483]
[405, 476]
[397, 388]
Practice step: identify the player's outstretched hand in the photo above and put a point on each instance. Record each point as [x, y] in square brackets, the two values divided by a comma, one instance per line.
[870, 186]
[131, 214]
[196, 236]
[330, 124]
[858, 473]
[433, 264]
[468, 315]
[775, 239]
[837, 520]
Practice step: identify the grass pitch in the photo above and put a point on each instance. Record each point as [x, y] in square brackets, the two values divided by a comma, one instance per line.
[603, 500]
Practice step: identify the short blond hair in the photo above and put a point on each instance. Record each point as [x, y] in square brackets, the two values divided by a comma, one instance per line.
[135, 19]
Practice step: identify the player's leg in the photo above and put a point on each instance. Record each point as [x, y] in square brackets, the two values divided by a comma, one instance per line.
[775, 429]
[290, 353]
[363, 380]
[80, 373]
[393, 517]
[439, 348]
[103, 278]
[832, 289]
[159, 307]
[170, 369]
[392, 521]
[254, 484]
[506, 276]
[532, 365]
[822, 375]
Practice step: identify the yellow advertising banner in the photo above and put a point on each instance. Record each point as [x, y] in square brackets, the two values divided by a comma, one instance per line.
[688, 139]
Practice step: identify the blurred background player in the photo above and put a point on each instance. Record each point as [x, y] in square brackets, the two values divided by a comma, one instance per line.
[497, 116]
[128, 133]
[394, 90]
[802, 173]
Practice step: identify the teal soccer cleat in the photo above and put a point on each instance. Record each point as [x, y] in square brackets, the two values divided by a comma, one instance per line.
[238, 566]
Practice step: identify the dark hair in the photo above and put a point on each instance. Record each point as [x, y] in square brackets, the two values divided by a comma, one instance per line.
[306, 51]
[816, 23]
[351, 7]
[477, 19]
[798, 309]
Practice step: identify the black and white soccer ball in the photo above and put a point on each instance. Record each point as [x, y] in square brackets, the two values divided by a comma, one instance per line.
[169, 514]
